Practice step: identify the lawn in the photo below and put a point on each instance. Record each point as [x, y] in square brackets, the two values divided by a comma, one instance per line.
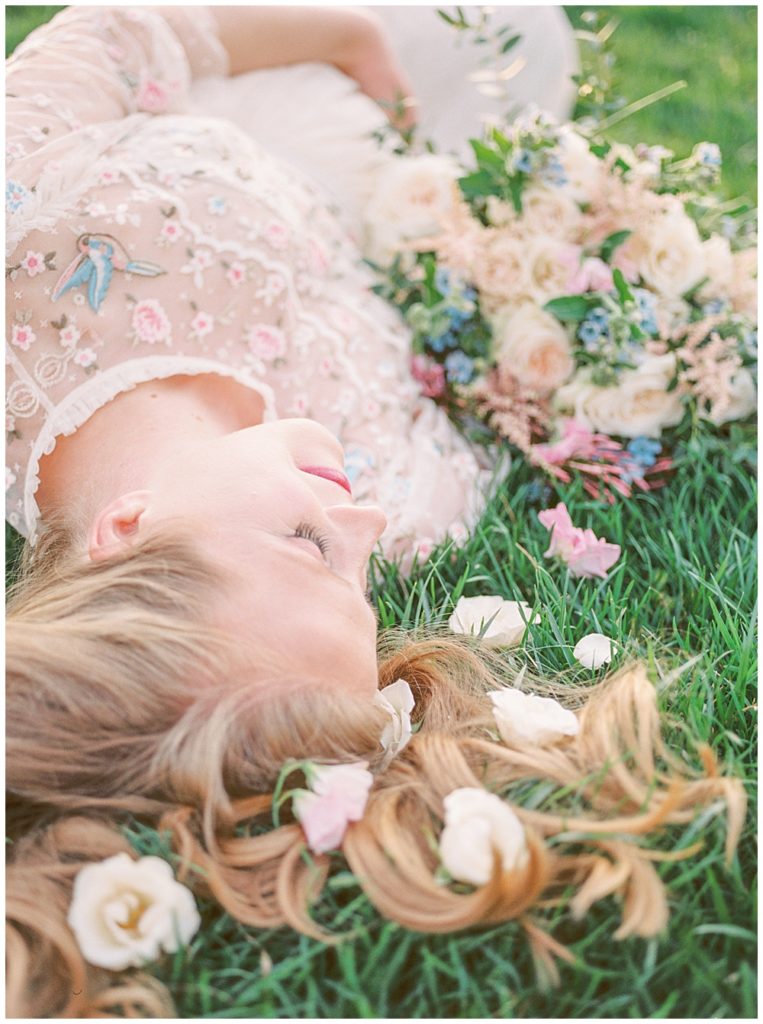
[685, 588]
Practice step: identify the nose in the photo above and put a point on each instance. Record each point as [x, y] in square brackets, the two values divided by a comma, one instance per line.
[358, 527]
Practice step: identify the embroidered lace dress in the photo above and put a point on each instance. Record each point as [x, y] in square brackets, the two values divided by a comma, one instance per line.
[145, 241]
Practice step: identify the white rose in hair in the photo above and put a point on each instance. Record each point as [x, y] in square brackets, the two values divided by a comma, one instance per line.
[125, 912]
[506, 621]
[412, 198]
[479, 824]
[524, 718]
[668, 253]
[533, 346]
[397, 700]
[640, 405]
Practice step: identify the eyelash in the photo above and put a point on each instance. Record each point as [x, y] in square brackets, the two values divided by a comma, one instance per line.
[310, 533]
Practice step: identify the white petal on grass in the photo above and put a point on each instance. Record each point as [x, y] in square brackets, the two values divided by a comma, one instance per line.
[504, 622]
[594, 650]
[524, 718]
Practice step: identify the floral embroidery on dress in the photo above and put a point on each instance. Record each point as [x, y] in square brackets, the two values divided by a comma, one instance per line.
[15, 196]
[266, 342]
[95, 265]
[150, 323]
[22, 336]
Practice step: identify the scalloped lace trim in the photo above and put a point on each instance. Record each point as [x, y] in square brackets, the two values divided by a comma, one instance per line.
[88, 398]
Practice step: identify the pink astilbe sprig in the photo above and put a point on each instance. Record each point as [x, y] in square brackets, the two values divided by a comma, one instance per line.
[607, 468]
[585, 554]
[711, 363]
[512, 411]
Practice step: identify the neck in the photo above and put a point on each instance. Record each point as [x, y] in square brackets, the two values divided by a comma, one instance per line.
[120, 447]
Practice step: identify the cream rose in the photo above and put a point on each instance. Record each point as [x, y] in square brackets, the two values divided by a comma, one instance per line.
[719, 268]
[499, 271]
[744, 288]
[479, 824]
[668, 253]
[550, 267]
[551, 211]
[506, 621]
[125, 912]
[533, 346]
[411, 200]
[639, 406]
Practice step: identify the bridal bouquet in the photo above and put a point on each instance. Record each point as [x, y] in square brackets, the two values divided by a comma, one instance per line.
[583, 301]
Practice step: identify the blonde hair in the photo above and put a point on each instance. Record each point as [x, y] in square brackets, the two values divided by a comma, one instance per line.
[122, 701]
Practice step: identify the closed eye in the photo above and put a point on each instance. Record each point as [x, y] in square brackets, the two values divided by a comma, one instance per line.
[314, 535]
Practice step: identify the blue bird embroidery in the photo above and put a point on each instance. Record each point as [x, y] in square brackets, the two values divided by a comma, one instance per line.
[99, 256]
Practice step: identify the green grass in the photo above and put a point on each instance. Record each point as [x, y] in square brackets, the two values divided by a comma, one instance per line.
[684, 587]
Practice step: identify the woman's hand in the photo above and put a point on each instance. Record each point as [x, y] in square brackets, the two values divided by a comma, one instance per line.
[353, 40]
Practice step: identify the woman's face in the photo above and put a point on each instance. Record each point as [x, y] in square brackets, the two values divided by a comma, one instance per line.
[248, 496]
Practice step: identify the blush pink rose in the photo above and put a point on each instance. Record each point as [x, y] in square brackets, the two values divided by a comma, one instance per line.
[592, 275]
[338, 795]
[152, 96]
[150, 323]
[266, 342]
[585, 554]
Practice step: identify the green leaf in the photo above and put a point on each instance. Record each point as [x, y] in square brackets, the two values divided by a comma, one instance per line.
[510, 43]
[516, 185]
[487, 158]
[623, 288]
[611, 242]
[478, 184]
[567, 308]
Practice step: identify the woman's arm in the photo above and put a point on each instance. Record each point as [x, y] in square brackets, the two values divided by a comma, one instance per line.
[351, 39]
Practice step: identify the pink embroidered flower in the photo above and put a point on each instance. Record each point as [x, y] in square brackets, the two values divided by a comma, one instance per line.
[586, 555]
[300, 405]
[150, 323]
[200, 261]
[22, 336]
[84, 357]
[202, 324]
[33, 263]
[277, 234]
[10, 423]
[430, 375]
[338, 795]
[14, 150]
[68, 336]
[266, 342]
[171, 230]
[108, 176]
[95, 209]
[152, 96]
[236, 273]
[317, 258]
[371, 408]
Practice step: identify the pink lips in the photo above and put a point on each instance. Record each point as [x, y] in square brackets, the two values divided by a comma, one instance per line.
[329, 474]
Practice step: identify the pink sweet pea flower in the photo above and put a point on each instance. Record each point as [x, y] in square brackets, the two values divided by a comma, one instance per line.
[592, 275]
[430, 375]
[338, 795]
[576, 441]
[586, 554]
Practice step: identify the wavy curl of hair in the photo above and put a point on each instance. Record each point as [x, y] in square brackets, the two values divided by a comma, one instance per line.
[120, 701]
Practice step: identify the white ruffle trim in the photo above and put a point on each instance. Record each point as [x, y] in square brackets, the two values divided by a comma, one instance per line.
[80, 404]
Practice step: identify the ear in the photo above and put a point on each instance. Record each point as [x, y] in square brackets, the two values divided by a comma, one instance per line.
[116, 527]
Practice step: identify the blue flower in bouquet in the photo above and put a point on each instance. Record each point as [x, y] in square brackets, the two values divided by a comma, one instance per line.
[708, 154]
[459, 368]
[647, 310]
[590, 333]
[469, 294]
[523, 161]
[442, 281]
[644, 451]
[553, 172]
[599, 315]
[750, 343]
[714, 306]
[457, 317]
[443, 341]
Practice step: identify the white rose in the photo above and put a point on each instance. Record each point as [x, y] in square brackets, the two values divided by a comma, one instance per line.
[411, 200]
[550, 265]
[719, 267]
[547, 210]
[526, 718]
[638, 406]
[593, 650]
[125, 912]
[533, 346]
[507, 620]
[397, 700]
[743, 402]
[744, 288]
[498, 212]
[671, 313]
[478, 824]
[668, 253]
[584, 170]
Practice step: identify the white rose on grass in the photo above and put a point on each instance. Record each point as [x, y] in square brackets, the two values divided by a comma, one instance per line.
[533, 346]
[397, 700]
[125, 912]
[411, 200]
[593, 650]
[585, 172]
[743, 401]
[668, 253]
[524, 718]
[638, 406]
[479, 824]
[508, 620]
